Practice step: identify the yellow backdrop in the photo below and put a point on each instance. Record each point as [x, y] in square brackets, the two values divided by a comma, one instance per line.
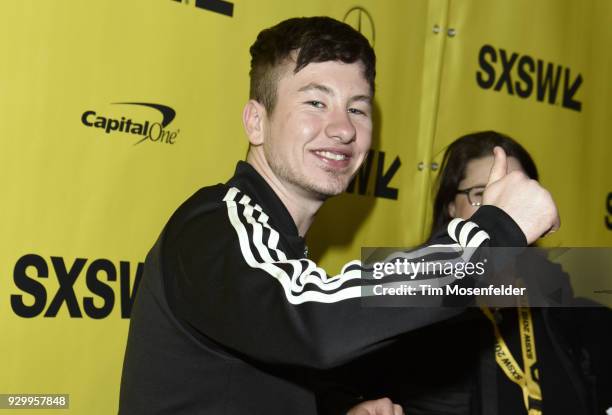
[114, 112]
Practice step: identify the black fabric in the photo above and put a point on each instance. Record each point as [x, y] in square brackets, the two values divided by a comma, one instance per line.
[449, 368]
[499, 223]
[487, 389]
[231, 318]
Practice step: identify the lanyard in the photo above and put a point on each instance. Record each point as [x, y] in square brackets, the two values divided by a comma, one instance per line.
[527, 379]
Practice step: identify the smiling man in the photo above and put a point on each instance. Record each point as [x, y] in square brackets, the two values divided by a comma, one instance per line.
[231, 317]
[310, 144]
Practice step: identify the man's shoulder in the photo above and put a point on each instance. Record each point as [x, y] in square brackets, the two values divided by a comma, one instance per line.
[204, 200]
[199, 215]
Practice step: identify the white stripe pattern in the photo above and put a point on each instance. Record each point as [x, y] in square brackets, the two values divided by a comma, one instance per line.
[250, 232]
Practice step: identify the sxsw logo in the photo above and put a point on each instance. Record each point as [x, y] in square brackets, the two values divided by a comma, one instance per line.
[108, 286]
[142, 128]
[216, 6]
[525, 76]
[361, 183]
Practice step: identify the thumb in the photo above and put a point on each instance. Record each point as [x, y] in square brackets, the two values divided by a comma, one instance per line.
[500, 165]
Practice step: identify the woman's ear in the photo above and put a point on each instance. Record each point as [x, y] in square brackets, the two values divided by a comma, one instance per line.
[451, 210]
[253, 119]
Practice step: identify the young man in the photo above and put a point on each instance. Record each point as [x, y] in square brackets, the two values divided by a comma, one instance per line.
[231, 317]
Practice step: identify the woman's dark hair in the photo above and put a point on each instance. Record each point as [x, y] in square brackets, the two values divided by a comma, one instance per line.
[315, 39]
[457, 155]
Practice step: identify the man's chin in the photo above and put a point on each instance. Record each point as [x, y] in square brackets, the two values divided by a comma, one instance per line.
[322, 186]
[324, 192]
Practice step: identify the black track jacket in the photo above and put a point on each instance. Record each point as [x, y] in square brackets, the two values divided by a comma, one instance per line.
[231, 317]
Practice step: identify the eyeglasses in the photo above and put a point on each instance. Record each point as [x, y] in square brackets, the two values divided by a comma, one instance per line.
[474, 194]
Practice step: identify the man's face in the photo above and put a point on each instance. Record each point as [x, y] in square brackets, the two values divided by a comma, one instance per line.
[320, 129]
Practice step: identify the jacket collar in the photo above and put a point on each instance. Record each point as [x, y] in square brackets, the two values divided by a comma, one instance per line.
[250, 182]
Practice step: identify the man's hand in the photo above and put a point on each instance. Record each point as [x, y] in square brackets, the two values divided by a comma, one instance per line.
[529, 204]
[382, 406]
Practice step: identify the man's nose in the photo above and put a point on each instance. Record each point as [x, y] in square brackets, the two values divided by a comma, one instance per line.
[340, 127]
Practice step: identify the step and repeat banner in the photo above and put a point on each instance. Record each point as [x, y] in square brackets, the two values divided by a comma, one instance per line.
[114, 112]
[539, 72]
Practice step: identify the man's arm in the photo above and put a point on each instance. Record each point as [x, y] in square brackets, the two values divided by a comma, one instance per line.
[230, 276]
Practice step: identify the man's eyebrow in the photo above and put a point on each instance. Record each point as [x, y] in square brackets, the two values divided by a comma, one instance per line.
[365, 98]
[316, 86]
[329, 91]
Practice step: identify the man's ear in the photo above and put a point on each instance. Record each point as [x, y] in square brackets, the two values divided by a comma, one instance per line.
[451, 210]
[253, 119]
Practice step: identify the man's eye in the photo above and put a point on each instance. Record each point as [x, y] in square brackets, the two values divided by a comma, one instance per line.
[317, 104]
[356, 111]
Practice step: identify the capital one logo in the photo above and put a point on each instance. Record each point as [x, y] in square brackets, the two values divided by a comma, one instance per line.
[142, 130]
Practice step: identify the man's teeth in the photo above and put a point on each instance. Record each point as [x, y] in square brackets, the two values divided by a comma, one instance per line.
[331, 156]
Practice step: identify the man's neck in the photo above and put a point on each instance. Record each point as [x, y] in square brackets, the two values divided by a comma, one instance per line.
[300, 205]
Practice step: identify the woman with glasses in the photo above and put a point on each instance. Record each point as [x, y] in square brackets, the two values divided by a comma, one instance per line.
[559, 383]
[464, 172]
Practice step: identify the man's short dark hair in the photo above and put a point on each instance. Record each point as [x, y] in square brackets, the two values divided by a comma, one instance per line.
[314, 39]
